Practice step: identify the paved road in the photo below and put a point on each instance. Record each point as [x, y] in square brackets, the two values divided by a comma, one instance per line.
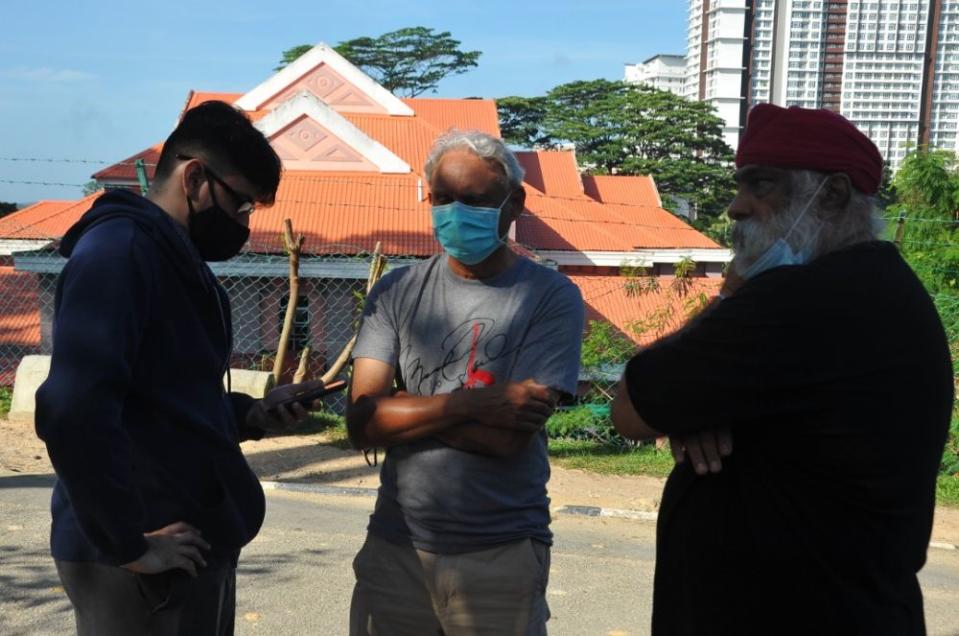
[296, 578]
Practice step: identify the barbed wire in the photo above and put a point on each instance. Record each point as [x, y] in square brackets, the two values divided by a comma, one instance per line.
[43, 183]
[913, 219]
[910, 241]
[77, 161]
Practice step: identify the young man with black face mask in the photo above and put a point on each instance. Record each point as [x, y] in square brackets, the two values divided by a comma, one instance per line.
[154, 499]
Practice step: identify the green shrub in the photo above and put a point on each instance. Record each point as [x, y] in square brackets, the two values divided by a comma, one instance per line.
[572, 422]
[6, 396]
[950, 455]
[586, 422]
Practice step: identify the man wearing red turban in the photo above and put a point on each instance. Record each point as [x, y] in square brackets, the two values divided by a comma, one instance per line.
[807, 407]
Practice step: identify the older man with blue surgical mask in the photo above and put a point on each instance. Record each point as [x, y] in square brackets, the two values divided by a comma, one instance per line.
[459, 361]
[807, 408]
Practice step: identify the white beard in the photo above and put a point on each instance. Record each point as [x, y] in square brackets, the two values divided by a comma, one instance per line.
[752, 237]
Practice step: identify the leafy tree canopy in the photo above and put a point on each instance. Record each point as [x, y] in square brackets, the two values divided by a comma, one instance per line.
[409, 61]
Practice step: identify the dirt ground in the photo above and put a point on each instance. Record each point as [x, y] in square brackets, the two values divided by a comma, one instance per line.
[310, 459]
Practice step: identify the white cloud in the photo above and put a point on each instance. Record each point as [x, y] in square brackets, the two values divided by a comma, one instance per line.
[46, 75]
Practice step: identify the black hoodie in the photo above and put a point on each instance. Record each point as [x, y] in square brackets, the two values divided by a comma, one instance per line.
[138, 425]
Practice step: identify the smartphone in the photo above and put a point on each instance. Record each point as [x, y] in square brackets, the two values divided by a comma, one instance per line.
[307, 397]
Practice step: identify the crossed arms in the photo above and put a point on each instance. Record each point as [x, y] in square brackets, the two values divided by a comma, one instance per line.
[499, 420]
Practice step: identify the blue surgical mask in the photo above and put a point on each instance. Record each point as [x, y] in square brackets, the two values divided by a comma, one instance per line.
[467, 233]
[781, 252]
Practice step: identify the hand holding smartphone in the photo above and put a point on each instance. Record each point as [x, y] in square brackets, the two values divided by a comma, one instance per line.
[307, 396]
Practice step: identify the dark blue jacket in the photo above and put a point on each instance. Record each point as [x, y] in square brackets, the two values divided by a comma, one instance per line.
[138, 425]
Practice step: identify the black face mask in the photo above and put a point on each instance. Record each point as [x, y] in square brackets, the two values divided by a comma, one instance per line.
[216, 235]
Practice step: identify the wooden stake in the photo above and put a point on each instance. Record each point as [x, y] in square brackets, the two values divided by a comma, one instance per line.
[293, 247]
[303, 370]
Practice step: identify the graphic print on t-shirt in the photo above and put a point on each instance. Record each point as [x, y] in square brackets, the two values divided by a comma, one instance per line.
[469, 351]
[476, 378]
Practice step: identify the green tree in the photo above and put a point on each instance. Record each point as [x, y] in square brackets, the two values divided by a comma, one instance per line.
[622, 128]
[6, 208]
[925, 221]
[887, 191]
[604, 344]
[292, 55]
[680, 303]
[90, 187]
[521, 121]
[927, 191]
[409, 61]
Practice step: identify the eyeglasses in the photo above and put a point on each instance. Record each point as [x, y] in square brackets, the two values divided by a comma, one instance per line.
[246, 206]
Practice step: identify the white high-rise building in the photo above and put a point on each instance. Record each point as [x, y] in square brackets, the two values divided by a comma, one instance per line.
[714, 59]
[889, 66]
[663, 71]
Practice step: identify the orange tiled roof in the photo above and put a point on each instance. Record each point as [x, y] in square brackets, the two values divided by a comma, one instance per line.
[44, 219]
[563, 210]
[195, 98]
[409, 138]
[607, 298]
[586, 225]
[553, 172]
[463, 114]
[631, 189]
[20, 319]
[347, 213]
[336, 213]
[351, 208]
[590, 213]
[443, 114]
[126, 168]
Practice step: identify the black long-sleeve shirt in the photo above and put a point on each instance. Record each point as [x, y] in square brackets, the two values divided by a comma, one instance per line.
[836, 383]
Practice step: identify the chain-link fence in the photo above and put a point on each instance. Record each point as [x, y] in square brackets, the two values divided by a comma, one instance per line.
[330, 296]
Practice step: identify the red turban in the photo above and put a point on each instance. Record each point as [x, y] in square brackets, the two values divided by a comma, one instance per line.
[807, 139]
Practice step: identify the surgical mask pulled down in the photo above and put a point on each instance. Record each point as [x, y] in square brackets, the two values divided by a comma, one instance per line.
[781, 253]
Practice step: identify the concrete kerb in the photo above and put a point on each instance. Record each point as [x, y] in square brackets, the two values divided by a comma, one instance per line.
[570, 511]
[319, 489]
[609, 513]
[939, 545]
[348, 491]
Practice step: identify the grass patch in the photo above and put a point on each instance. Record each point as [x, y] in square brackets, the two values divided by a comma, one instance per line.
[947, 490]
[6, 396]
[610, 460]
[330, 426]
[646, 460]
[591, 455]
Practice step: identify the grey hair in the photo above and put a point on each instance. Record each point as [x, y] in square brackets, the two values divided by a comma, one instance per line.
[483, 145]
[858, 223]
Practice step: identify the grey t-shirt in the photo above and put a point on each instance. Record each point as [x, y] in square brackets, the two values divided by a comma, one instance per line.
[448, 333]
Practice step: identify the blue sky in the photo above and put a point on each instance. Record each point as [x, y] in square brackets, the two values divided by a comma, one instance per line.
[102, 80]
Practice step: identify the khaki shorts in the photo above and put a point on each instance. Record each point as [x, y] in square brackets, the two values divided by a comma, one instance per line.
[403, 591]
